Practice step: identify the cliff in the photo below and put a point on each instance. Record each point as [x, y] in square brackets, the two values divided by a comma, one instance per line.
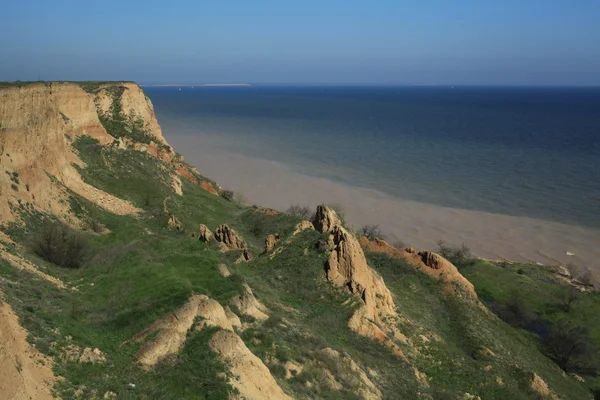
[109, 264]
[40, 121]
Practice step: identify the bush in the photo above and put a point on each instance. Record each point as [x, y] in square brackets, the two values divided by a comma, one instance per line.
[456, 255]
[515, 311]
[299, 211]
[227, 195]
[96, 226]
[60, 245]
[371, 232]
[570, 346]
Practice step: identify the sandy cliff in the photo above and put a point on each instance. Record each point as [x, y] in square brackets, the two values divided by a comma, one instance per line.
[37, 123]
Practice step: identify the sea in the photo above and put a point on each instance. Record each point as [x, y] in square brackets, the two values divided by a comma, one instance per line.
[518, 151]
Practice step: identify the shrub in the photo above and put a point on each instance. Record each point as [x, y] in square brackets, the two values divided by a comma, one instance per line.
[60, 245]
[515, 311]
[96, 226]
[14, 187]
[570, 346]
[573, 270]
[456, 255]
[586, 277]
[570, 295]
[299, 211]
[372, 232]
[227, 195]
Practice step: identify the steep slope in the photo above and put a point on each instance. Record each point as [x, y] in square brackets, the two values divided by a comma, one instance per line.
[314, 313]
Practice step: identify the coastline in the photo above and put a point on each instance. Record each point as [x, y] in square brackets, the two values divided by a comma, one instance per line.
[490, 236]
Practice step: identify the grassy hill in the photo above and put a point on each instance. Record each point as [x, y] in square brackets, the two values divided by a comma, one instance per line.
[135, 269]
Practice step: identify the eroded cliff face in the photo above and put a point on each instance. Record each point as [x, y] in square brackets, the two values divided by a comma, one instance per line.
[38, 122]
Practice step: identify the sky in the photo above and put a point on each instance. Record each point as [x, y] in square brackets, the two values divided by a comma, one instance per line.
[446, 42]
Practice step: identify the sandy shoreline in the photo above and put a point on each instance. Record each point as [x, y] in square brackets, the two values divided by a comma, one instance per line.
[421, 225]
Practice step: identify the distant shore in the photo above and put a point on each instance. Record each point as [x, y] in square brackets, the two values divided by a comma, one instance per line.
[199, 85]
[489, 236]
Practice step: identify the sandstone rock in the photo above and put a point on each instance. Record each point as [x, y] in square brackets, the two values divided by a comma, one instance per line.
[212, 314]
[302, 226]
[350, 373]
[264, 210]
[292, 369]
[251, 377]
[173, 328]
[247, 304]
[270, 242]
[92, 356]
[205, 233]
[325, 219]
[244, 257]
[39, 123]
[347, 267]
[174, 223]
[234, 320]
[176, 185]
[229, 237]
[538, 386]
[223, 270]
[445, 271]
[26, 374]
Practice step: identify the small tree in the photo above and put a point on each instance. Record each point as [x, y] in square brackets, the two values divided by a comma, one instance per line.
[299, 211]
[573, 270]
[570, 347]
[371, 232]
[456, 255]
[570, 295]
[227, 195]
[586, 277]
[60, 245]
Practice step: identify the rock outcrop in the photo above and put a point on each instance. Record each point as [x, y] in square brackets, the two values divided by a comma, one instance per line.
[223, 271]
[244, 257]
[445, 271]
[302, 226]
[428, 262]
[205, 234]
[37, 124]
[247, 304]
[539, 387]
[270, 242]
[230, 238]
[174, 223]
[25, 373]
[350, 374]
[173, 328]
[325, 219]
[347, 267]
[251, 377]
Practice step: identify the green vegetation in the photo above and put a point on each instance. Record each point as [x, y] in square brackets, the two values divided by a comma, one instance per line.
[118, 124]
[126, 271]
[550, 310]
[60, 245]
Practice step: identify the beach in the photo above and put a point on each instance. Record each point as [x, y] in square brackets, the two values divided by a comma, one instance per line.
[488, 235]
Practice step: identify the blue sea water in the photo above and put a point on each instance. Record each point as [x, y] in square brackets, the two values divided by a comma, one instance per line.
[517, 151]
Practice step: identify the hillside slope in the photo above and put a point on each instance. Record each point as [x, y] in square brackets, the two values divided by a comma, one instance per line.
[178, 291]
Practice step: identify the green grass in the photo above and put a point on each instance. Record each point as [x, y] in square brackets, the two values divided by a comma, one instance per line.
[141, 269]
[541, 290]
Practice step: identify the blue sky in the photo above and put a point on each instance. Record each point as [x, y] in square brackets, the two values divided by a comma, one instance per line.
[337, 42]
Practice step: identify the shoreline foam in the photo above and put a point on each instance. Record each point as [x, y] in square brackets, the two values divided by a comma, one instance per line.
[490, 236]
